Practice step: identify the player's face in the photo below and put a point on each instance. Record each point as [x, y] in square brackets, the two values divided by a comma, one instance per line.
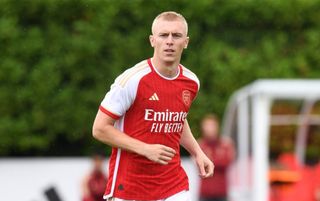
[168, 40]
[209, 129]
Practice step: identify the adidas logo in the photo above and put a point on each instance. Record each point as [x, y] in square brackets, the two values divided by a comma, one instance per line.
[154, 97]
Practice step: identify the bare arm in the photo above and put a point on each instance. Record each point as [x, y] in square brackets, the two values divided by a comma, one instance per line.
[104, 131]
[204, 164]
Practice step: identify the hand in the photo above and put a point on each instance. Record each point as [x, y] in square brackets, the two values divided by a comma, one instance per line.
[159, 153]
[205, 165]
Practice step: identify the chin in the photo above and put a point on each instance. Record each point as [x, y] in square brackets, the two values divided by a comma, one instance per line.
[169, 59]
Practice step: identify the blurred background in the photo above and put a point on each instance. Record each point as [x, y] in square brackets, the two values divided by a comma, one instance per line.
[58, 58]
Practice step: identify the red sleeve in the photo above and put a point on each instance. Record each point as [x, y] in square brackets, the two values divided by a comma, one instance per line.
[110, 114]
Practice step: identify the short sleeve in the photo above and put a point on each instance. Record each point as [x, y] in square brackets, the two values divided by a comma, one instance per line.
[123, 91]
[192, 76]
[118, 100]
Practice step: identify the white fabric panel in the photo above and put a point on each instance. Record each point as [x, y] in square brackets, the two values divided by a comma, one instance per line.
[123, 91]
[189, 74]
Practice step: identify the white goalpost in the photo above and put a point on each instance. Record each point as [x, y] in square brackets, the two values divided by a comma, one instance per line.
[247, 121]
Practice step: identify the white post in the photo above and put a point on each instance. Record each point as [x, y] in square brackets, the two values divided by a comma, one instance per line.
[243, 143]
[260, 144]
[302, 132]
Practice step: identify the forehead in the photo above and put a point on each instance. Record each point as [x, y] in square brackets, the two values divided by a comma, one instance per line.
[173, 26]
[209, 121]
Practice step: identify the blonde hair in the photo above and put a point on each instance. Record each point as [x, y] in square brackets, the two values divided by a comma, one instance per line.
[169, 16]
[211, 117]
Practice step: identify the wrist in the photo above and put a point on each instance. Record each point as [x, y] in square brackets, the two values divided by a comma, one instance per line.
[197, 153]
[141, 149]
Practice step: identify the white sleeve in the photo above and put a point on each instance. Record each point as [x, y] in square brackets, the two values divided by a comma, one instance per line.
[119, 99]
[123, 91]
[188, 73]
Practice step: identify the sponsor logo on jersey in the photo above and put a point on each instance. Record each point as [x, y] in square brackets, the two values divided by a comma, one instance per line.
[165, 121]
[186, 97]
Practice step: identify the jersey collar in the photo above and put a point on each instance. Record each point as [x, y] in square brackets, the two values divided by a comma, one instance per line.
[164, 77]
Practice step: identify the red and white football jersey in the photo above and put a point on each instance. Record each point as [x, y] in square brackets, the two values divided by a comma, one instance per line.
[151, 108]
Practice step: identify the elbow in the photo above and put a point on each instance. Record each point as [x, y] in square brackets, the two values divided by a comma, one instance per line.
[101, 134]
[96, 133]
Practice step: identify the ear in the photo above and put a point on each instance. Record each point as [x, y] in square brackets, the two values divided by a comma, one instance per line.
[151, 39]
[186, 43]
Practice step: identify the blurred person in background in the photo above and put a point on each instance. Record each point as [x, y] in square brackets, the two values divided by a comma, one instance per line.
[93, 185]
[221, 151]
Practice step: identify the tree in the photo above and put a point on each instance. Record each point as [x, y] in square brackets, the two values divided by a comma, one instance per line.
[58, 59]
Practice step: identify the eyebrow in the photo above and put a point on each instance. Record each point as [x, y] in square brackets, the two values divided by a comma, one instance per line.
[173, 33]
[177, 34]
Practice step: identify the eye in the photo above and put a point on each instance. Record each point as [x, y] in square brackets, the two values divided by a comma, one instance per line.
[163, 35]
[176, 35]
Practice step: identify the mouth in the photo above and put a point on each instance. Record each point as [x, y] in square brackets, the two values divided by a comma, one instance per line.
[169, 50]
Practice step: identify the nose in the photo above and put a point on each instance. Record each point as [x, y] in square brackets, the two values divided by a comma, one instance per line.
[169, 40]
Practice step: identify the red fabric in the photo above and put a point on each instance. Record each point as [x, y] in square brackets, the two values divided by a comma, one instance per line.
[316, 184]
[317, 176]
[87, 199]
[150, 121]
[96, 186]
[107, 112]
[221, 153]
[302, 190]
[289, 160]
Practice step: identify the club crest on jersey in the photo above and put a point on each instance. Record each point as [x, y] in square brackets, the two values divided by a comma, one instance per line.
[186, 97]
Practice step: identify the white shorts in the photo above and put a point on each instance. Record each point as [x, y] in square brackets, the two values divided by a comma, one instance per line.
[181, 196]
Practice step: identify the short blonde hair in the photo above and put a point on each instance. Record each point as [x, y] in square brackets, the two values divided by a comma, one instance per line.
[170, 16]
[211, 117]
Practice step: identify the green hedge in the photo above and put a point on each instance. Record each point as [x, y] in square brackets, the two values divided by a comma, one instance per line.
[58, 59]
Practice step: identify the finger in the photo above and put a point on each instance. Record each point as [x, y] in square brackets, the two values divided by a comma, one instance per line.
[212, 169]
[169, 149]
[208, 174]
[168, 154]
[165, 158]
[162, 162]
[209, 170]
[202, 170]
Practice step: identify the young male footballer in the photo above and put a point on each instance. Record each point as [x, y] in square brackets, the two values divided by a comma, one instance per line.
[144, 118]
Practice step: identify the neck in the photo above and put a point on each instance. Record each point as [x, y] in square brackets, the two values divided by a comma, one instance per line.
[211, 138]
[167, 69]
